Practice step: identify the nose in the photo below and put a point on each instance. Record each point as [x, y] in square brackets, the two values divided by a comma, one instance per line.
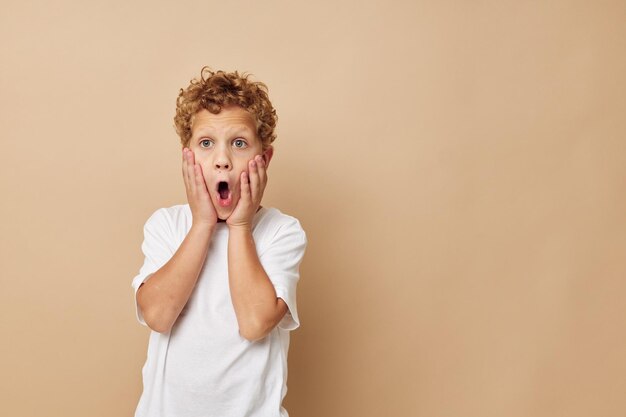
[222, 160]
[222, 165]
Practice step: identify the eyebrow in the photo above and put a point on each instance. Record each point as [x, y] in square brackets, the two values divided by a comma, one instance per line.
[235, 130]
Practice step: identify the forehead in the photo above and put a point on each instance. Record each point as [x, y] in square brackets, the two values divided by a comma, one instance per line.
[231, 119]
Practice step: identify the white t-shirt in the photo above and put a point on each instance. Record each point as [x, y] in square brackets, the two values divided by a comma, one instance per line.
[203, 367]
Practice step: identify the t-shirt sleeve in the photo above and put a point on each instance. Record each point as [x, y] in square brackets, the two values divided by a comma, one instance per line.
[281, 261]
[157, 250]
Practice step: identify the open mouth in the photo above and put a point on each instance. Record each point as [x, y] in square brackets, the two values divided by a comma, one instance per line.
[224, 196]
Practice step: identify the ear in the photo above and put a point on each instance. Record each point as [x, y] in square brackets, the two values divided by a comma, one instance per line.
[267, 155]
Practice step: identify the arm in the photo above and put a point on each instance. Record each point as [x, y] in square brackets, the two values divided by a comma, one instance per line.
[163, 296]
[257, 308]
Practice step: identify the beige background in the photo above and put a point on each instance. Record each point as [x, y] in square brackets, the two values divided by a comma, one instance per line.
[459, 168]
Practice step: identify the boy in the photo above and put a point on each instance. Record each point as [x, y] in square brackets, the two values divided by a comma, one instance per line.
[218, 283]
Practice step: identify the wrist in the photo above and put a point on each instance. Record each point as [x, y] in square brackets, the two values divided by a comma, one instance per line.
[202, 227]
[240, 228]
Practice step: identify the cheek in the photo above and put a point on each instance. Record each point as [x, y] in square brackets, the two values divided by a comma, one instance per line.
[239, 168]
[206, 172]
[204, 165]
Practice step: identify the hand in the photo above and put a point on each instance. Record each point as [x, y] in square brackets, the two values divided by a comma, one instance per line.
[202, 209]
[252, 186]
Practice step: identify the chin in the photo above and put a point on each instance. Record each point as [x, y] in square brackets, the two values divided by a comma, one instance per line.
[224, 216]
[223, 213]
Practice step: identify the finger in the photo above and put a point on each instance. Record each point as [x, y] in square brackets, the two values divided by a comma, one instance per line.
[253, 179]
[185, 170]
[191, 175]
[262, 172]
[245, 188]
[200, 183]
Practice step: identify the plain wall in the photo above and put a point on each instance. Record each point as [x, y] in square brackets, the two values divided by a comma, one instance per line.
[459, 167]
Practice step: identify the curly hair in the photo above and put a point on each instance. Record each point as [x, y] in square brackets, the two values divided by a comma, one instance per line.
[216, 89]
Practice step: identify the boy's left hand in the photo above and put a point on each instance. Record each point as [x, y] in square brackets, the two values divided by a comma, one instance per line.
[252, 186]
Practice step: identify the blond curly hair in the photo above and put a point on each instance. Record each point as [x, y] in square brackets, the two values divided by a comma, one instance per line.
[216, 89]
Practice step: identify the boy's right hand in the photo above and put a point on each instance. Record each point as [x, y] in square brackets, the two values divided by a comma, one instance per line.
[202, 209]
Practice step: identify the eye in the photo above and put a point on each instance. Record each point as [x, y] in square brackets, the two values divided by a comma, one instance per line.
[205, 143]
[240, 143]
